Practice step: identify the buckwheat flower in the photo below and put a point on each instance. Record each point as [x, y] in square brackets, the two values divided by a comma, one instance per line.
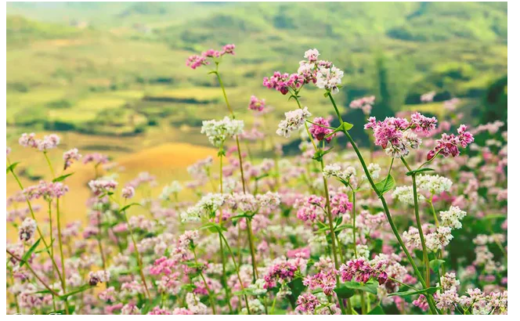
[329, 79]
[174, 188]
[159, 311]
[452, 217]
[294, 120]
[95, 158]
[284, 82]
[312, 55]
[310, 209]
[255, 307]
[128, 192]
[374, 170]
[397, 150]
[194, 304]
[405, 194]
[422, 124]
[358, 270]
[325, 280]
[28, 140]
[365, 104]
[307, 303]
[434, 184]
[130, 309]
[441, 238]
[319, 132]
[196, 61]
[447, 300]
[181, 311]
[98, 277]
[210, 203]
[449, 282]
[428, 97]
[339, 204]
[70, 156]
[332, 170]
[219, 131]
[258, 288]
[228, 49]
[27, 229]
[192, 214]
[102, 186]
[49, 142]
[411, 139]
[268, 200]
[8, 151]
[256, 104]
[448, 145]
[281, 271]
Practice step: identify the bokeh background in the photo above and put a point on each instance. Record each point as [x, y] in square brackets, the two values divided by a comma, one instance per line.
[111, 77]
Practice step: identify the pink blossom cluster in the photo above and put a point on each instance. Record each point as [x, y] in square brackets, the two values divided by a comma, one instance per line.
[280, 271]
[256, 104]
[284, 82]
[449, 145]
[48, 142]
[320, 128]
[196, 61]
[46, 190]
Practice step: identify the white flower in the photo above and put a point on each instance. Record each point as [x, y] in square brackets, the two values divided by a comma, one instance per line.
[329, 78]
[411, 139]
[312, 54]
[452, 217]
[219, 131]
[374, 170]
[405, 194]
[294, 120]
[434, 184]
[173, 188]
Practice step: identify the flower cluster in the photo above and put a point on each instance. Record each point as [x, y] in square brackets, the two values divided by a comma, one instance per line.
[294, 120]
[449, 145]
[284, 82]
[220, 130]
[197, 61]
[320, 129]
[48, 142]
[256, 104]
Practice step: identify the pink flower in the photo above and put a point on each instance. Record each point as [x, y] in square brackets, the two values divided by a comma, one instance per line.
[319, 132]
[256, 104]
[128, 192]
[307, 303]
[70, 156]
[284, 82]
[279, 271]
[448, 145]
[195, 61]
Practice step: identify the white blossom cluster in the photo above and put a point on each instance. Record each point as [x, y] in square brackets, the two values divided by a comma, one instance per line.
[294, 120]
[329, 78]
[336, 171]
[405, 194]
[174, 188]
[207, 205]
[219, 131]
[452, 217]
[434, 184]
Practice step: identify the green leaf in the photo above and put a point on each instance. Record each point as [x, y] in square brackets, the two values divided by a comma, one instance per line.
[347, 126]
[61, 178]
[343, 227]
[82, 288]
[28, 254]
[344, 292]
[386, 185]
[124, 208]
[212, 227]
[377, 310]
[320, 153]
[413, 292]
[11, 167]
[418, 171]
[436, 264]
[370, 286]
[494, 216]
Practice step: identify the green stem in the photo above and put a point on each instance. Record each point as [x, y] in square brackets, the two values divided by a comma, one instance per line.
[385, 208]
[205, 285]
[236, 269]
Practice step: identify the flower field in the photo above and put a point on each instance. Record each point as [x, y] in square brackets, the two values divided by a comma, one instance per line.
[412, 222]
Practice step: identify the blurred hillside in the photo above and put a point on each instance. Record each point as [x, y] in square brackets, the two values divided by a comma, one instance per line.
[118, 68]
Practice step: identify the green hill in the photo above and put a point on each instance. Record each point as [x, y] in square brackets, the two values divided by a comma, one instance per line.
[101, 66]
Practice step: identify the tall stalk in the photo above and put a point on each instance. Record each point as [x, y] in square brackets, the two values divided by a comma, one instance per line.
[431, 303]
[249, 230]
